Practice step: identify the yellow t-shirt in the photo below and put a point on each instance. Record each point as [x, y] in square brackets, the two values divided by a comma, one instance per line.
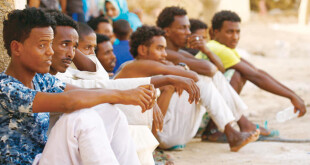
[228, 56]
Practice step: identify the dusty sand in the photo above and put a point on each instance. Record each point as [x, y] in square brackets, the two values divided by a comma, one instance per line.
[272, 45]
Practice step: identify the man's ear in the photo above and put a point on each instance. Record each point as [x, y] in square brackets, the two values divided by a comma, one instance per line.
[167, 31]
[16, 48]
[142, 50]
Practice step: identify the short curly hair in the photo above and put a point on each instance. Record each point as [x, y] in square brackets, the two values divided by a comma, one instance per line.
[84, 30]
[101, 38]
[19, 23]
[197, 24]
[166, 17]
[121, 29]
[224, 15]
[94, 22]
[63, 19]
[143, 36]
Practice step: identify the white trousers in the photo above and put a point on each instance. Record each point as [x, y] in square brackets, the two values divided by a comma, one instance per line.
[84, 137]
[182, 119]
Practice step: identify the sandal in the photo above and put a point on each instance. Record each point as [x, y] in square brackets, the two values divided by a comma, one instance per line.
[273, 133]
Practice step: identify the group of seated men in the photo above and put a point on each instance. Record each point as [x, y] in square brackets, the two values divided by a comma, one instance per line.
[54, 112]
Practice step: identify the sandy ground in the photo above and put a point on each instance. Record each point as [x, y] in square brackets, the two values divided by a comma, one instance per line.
[280, 47]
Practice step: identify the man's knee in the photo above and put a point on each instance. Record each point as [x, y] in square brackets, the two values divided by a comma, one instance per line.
[109, 112]
[237, 81]
[85, 117]
[210, 70]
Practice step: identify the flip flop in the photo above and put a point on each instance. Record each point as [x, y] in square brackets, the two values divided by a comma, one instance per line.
[179, 147]
[273, 133]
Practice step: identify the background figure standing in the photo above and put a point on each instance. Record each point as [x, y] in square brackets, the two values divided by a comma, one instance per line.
[73, 8]
[118, 9]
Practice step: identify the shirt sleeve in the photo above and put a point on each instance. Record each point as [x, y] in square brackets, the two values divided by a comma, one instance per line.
[15, 97]
[202, 56]
[54, 84]
[228, 58]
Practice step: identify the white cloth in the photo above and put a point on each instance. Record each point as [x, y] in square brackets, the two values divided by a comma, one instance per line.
[145, 141]
[133, 113]
[231, 97]
[182, 119]
[84, 137]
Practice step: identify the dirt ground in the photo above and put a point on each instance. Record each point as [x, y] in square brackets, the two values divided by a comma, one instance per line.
[279, 46]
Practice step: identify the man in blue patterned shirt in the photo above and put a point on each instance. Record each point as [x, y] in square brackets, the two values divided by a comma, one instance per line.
[28, 92]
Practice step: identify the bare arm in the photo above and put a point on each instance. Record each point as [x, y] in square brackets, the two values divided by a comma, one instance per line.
[179, 78]
[83, 63]
[147, 68]
[34, 3]
[179, 84]
[74, 98]
[266, 82]
[202, 67]
[63, 4]
[201, 45]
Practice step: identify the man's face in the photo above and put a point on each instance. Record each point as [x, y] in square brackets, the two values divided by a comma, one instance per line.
[105, 28]
[87, 44]
[64, 45]
[157, 50]
[229, 34]
[178, 31]
[106, 56]
[36, 51]
[203, 33]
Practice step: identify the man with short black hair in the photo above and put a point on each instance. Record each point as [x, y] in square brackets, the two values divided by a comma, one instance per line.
[200, 28]
[104, 53]
[226, 33]
[102, 25]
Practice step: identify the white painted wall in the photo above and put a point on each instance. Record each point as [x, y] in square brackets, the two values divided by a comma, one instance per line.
[20, 4]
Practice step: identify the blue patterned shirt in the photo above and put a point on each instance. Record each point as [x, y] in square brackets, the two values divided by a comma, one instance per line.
[23, 133]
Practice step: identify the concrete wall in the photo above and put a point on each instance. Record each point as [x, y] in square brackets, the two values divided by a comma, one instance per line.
[5, 7]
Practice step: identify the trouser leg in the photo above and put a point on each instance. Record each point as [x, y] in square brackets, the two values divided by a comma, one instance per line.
[231, 97]
[79, 138]
[215, 104]
[181, 121]
[117, 129]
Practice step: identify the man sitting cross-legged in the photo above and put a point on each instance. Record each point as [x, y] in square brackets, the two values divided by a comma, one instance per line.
[88, 133]
[182, 119]
[64, 46]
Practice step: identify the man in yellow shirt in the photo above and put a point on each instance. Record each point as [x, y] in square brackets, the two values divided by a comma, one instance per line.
[225, 35]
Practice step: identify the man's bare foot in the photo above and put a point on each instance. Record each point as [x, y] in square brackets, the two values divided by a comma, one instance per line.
[212, 134]
[252, 127]
[247, 126]
[242, 139]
